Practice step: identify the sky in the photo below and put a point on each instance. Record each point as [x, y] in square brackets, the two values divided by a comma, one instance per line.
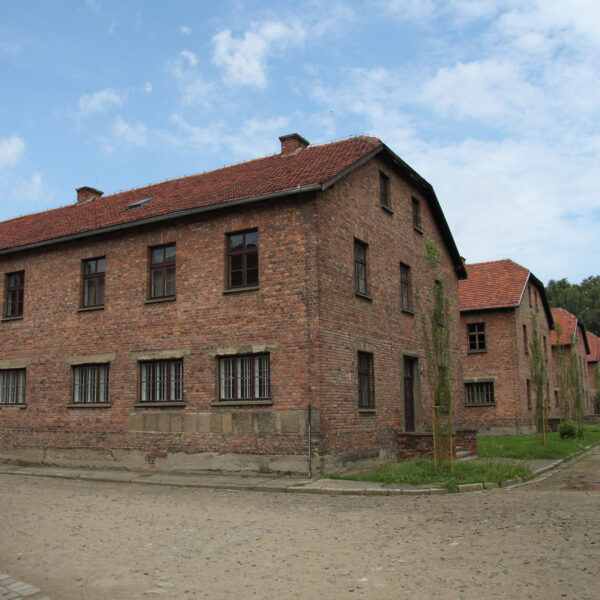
[495, 102]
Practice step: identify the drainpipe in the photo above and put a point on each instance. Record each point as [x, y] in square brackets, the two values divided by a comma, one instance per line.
[309, 442]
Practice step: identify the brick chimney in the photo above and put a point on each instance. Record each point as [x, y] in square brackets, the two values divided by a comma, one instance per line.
[86, 194]
[292, 144]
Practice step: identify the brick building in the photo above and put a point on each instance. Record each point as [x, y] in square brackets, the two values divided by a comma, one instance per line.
[593, 359]
[498, 303]
[569, 336]
[191, 323]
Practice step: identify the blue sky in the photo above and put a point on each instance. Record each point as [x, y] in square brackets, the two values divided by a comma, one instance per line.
[495, 102]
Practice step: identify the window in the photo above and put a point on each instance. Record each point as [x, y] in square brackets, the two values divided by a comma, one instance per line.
[366, 388]
[480, 393]
[15, 283]
[162, 271]
[416, 213]
[90, 384]
[544, 343]
[12, 386]
[93, 282]
[535, 295]
[242, 259]
[162, 381]
[525, 343]
[384, 191]
[405, 287]
[360, 267]
[556, 403]
[529, 405]
[529, 294]
[476, 337]
[244, 377]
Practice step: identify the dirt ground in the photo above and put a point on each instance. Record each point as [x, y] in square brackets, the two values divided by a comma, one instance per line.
[86, 540]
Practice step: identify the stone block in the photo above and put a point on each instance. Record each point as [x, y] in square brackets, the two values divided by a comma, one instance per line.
[264, 422]
[289, 421]
[204, 420]
[216, 422]
[226, 426]
[163, 421]
[176, 422]
[470, 487]
[241, 423]
[150, 421]
[136, 421]
[190, 422]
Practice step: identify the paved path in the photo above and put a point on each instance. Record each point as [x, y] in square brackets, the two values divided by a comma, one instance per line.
[13, 589]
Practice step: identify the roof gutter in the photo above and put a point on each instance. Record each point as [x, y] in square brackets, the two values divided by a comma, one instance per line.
[160, 218]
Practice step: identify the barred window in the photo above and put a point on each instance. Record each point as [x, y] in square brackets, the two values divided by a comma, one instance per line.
[90, 384]
[162, 381]
[416, 213]
[480, 393]
[93, 282]
[15, 285]
[162, 271]
[245, 377]
[12, 386]
[366, 383]
[476, 337]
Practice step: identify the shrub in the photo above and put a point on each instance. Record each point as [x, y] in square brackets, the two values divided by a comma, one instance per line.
[567, 430]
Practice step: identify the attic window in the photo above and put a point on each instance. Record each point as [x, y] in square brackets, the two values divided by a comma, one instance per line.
[139, 203]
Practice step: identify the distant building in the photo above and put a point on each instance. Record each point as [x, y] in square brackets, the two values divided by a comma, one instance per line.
[593, 379]
[498, 303]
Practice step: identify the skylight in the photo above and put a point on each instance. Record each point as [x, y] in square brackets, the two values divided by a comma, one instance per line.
[139, 203]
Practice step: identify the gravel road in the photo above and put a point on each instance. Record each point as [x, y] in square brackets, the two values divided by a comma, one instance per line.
[85, 540]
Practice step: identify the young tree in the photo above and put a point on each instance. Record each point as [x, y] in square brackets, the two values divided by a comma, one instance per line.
[436, 332]
[538, 365]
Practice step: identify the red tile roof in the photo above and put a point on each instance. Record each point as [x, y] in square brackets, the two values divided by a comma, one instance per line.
[567, 323]
[496, 284]
[256, 178]
[594, 342]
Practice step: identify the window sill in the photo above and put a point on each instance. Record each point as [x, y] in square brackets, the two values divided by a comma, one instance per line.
[90, 308]
[476, 351]
[263, 402]
[172, 404]
[19, 406]
[364, 296]
[89, 405]
[160, 300]
[418, 230]
[480, 405]
[17, 318]
[236, 290]
[366, 411]
[407, 311]
[387, 209]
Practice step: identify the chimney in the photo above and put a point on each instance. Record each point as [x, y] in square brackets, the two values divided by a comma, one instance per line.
[292, 144]
[86, 194]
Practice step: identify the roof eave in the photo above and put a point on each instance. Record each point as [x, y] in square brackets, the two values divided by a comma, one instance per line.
[158, 219]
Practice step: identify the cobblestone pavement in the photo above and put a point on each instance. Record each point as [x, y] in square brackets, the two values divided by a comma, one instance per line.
[98, 540]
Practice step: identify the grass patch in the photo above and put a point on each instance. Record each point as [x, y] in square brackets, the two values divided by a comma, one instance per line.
[525, 447]
[422, 472]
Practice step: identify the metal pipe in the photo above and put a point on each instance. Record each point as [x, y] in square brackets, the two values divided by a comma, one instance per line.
[309, 442]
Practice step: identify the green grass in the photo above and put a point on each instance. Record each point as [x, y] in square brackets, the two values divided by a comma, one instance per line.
[525, 447]
[422, 472]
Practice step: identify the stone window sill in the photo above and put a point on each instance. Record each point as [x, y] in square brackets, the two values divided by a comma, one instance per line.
[238, 290]
[160, 404]
[89, 405]
[477, 351]
[418, 230]
[19, 406]
[480, 405]
[160, 300]
[366, 411]
[262, 402]
[387, 209]
[364, 296]
[90, 308]
[408, 311]
[17, 318]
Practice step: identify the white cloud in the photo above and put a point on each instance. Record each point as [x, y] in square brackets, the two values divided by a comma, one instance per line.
[148, 87]
[99, 101]
[135, 134]
[185, 30]
[193, 87]
[24, 195]
[245, 59]
[12, 150]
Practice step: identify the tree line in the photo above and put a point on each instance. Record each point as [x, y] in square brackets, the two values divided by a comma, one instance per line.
[581, 299]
